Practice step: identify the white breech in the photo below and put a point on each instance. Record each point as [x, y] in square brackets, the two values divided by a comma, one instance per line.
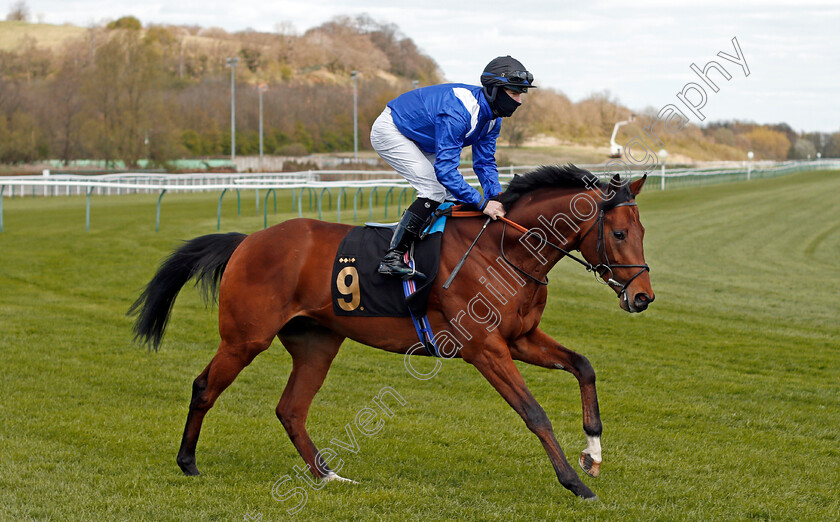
[405, 157]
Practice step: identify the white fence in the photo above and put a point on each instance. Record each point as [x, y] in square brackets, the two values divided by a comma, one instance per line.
[327, 181]
[132, 183]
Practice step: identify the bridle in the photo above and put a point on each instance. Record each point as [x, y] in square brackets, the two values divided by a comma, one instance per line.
[601, 270]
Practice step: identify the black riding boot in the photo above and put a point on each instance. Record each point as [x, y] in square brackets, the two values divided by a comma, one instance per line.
[407, 231]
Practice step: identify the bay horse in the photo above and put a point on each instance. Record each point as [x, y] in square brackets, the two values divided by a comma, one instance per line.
[276, 283]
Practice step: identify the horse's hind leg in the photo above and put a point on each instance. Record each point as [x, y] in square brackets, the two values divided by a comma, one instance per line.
[313, 349]
[540, 349]
[218, 375]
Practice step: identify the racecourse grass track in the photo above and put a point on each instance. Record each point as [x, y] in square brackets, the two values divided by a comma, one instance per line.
[720, 402]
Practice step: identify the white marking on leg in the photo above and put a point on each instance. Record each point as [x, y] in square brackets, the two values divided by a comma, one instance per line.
[329, 477]
[593, 447]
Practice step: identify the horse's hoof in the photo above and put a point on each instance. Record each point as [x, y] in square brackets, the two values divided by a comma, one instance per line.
[589, 465]
[332, 476]
[593, 499]
[188, 467]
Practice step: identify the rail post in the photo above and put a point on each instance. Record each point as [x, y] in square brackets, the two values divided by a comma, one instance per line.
[399, 199]
[355, 196]
[387, 194]
[157, 214]
[265, 206]
[341, 192]
[370, 203]
[87, 209]
[219, 211]
[663, 154]
[321, 197]
[300, 203]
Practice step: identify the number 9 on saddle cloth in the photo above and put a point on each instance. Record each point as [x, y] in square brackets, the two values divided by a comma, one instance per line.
[359, 290]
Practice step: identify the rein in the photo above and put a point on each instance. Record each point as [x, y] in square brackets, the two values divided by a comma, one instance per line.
[603, 268]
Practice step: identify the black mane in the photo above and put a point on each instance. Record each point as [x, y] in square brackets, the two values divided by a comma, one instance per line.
[563, 176]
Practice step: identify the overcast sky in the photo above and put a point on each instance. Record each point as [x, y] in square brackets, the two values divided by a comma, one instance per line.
[640, 51]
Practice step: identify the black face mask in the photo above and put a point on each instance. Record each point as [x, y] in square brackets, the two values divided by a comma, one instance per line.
[504, 105]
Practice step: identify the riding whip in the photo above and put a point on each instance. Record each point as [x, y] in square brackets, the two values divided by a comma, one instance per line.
[463, 259]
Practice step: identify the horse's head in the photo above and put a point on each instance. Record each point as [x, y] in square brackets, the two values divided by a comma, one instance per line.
[606, 226]
[614, 244]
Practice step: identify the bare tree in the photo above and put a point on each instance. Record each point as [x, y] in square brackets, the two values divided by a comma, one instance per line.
[19, 12]
[65, 116]
[125, 86]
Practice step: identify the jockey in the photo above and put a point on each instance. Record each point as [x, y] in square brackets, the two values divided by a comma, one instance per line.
[421, 133]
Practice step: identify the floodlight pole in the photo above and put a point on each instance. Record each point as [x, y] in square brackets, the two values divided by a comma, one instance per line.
[231, 62]
[261, 88]
[354, 75]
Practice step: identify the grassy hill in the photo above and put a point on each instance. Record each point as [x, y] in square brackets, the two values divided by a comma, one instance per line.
[14, 34]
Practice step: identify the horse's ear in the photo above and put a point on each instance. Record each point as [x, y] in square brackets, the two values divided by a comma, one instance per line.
[616, 181]
[637, 185]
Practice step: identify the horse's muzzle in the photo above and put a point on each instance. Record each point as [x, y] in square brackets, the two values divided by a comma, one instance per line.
[639, 303]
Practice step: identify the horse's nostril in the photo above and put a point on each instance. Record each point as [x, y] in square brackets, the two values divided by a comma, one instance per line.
[642, 300]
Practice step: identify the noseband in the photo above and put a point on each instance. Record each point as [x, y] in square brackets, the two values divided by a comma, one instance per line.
[602, 270]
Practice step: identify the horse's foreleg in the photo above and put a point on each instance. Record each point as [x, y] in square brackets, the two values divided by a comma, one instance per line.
[496, 365]
[313, 350]
[539, 349]
[218, 375]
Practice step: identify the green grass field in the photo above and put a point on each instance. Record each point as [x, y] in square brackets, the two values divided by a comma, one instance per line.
[722, 401]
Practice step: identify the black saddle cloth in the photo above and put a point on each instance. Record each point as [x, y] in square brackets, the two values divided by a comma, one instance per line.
[359, 290]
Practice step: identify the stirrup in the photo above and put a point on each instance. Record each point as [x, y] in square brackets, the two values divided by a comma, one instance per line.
[403, 273]
[393, 265]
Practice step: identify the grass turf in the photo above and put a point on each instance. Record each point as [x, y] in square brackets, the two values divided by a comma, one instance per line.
[720, 402]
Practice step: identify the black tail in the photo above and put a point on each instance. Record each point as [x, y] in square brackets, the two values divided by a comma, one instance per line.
[205, 258]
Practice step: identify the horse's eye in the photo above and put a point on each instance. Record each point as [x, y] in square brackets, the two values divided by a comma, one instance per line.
[621, 236]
